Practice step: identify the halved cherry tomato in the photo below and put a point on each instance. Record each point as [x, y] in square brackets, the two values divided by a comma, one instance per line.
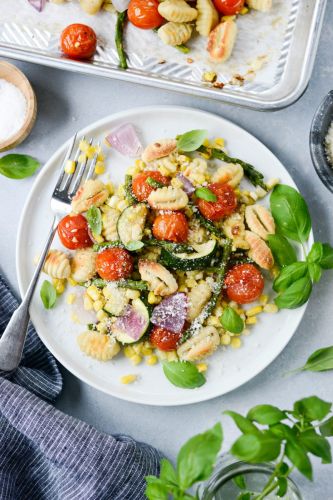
[244, 283]
[144, 14]
[171, 226]
[78, 41]
[141, 189]
[164, 339]
[229, 7]
[224, 205]
[114, 264]
[73, 232]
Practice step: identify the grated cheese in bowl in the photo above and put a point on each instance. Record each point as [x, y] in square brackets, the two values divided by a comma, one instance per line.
[329, 144]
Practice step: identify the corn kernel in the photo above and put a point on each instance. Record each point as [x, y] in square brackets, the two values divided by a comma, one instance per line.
[70, 299]
[136, 359]
[206, 141]
[263, 299]
[236, 342]
[70, 167]
[176, 183]
[202, 367]
[100, 157]
[59, 285]
[98, 305]
[225, 339]
[253, 311]
[99, 168]
[206, 156]
[101, 315]
[153, 299]
[110, 187]
[228, 18]
[137, 348]
[82, 158]
[93, 292]
[219, 141]
[129, 351]
[90, 151]
[72, 282]
[132, 294]
[251, 321]
[152, 360]
[271, 308]
[83, 146]
[191, 283]
[244, 11]
[183, 288]
[101, 327]
[213, 321]
[128, 379]
[107, 292]
[140, 164]
[146, 351]
[164, 170]
[272, 182]
[87, 303]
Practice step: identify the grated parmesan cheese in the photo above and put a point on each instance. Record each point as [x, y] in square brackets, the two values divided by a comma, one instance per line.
[329, 144]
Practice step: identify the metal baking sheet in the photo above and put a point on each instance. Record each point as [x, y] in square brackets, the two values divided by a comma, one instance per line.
[269, 69]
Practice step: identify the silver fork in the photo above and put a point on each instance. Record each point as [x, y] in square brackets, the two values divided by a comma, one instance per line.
[13, 338]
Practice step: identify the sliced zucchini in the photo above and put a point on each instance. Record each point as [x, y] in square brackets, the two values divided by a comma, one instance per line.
[131, 223]
[133, 324]
[199, 259]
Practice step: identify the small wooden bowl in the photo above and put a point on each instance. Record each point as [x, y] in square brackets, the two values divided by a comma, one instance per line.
[13, 75]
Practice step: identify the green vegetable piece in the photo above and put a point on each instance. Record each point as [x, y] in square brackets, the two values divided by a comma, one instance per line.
[128, 190]
[183, 374]
[290, 213]
[312, 408]
[244, 424]
[119, 33]
[289, 274]
[231, 320]
[197, 457]
[246, 495]
[94, 218]
[132, 246]
[319, 361]
[297, 455]
[205, 194]
[48, 294]
[182, 48]
[283, 253]
[153, 183]
[191, 141]
[296, 295]
[317, 445]
[326, 428]
[17, 166]
[210, 226]
[240, 481]
[260, 447]
[266, 414]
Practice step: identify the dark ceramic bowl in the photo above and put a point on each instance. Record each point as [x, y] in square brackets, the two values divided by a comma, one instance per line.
[319, 128]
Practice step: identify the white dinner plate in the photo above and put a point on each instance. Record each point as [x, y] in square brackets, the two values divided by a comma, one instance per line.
[228, 368]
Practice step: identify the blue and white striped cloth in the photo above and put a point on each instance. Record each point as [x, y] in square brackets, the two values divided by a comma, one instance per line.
[47, 455]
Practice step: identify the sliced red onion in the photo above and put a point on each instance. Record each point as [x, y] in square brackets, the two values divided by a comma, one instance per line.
[171, 313]
[38, 4]
[120, 5]
[188, 186]
[131, 323]
[125, 140]
[78, 309]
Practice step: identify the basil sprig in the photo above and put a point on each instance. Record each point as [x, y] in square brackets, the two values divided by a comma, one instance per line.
[94, 218]
[16, 166]
[183, 374]
[231, 320]
[191, 141]
[319, 361]
[48, 294]
[205, 194]
[283, 253]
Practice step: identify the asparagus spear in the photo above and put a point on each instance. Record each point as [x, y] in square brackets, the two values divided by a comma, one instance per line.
[132, 284]
[121, 18]
[170, 247]
[208, 224]
[209, 307]
[254, 176]
[128, 190]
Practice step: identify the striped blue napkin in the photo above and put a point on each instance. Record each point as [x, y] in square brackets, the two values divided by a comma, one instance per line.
[47, 455]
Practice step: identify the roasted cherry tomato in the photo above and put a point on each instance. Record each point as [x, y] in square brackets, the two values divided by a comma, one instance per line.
[244, 283]
[164, 339]
[141, 188]
[78, 41]
[225, 204]
[114, 264]
[144, 14]
[171, 226]
[229, 7]
[73, 232]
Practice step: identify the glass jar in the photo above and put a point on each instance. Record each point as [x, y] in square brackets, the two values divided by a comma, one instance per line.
[222, 485]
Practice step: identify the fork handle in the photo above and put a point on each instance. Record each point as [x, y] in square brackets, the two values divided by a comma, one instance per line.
[13, 338]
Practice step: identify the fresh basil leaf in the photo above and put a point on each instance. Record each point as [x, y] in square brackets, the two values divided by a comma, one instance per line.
[315, 272]
[326, 428]
[289, 275]
[197, 457]
[315, 253]
[326, 261]
[183, 374]
[191, 141]
[132, 246]
[317, 445]
[266, 414]
[244, 424]
[259, 447]
[290, 213]
[94, 218]
[48, 294]
[168, 472]
[205, 194]
[231, 321]
[283, 487]
[312, 408]
[154, 183]
[240, 481]
[283, 253]
[296, 295]
[17, 166]
[297, 455]
[282, 431]
[156, 489]
[282, 469]
[246, 495]
[320, 361]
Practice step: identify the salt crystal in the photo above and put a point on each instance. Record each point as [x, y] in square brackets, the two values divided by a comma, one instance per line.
[13, 106]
